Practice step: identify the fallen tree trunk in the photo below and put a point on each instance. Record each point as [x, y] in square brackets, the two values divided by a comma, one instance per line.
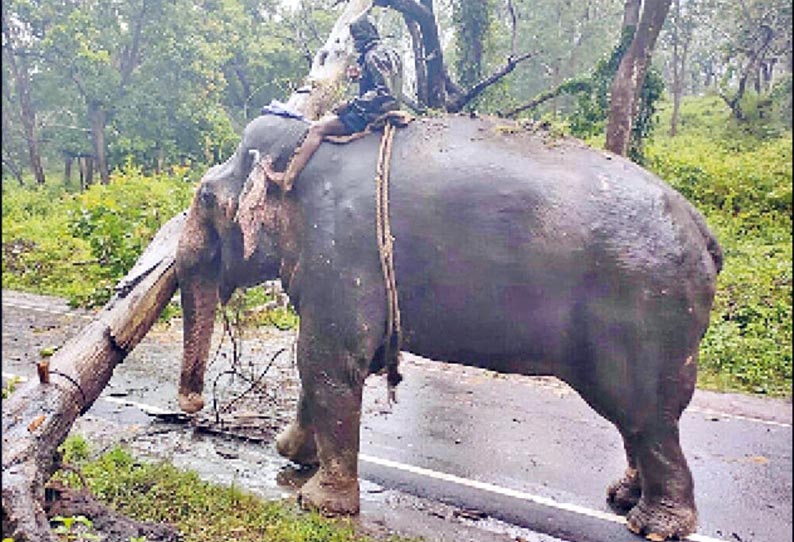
[39, 415]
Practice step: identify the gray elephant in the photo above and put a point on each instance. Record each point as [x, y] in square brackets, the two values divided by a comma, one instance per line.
[513, 251]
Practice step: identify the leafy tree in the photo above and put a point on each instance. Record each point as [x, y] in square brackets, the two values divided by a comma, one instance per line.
[17, 66]
[643, 20]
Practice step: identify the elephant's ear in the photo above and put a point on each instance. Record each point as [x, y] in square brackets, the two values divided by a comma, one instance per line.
[251, 206]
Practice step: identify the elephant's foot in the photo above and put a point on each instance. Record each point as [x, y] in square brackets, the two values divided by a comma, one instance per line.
[624, 494]
[330, 496]
[297, 445]
[191, 402]
[663, 520]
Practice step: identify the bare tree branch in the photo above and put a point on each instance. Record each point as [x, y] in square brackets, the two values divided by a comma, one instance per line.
[570, 86]
[460, 102]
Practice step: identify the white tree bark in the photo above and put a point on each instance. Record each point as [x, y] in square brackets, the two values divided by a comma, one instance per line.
[325, 84]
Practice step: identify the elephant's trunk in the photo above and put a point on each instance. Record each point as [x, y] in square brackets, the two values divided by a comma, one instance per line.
[199, 301]
[198, 272]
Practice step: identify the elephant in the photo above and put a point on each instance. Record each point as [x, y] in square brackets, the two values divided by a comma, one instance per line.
[514, 250]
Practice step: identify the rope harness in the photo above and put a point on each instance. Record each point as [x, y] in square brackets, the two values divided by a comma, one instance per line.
[392, 334]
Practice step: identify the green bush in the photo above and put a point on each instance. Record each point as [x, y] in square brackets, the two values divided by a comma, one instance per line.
[743, 185]
[80, 245]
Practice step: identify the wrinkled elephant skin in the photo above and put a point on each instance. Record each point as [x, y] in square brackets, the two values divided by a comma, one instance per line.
[513, 251]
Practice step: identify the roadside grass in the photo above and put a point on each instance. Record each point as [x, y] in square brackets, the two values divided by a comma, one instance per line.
[202, 511]
[10, 386]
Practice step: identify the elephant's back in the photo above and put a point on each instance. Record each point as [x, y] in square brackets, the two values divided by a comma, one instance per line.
[509, 188]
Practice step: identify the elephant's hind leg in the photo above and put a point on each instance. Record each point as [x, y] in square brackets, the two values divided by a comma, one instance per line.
[624, 494]
[666, 507]
[643, 392]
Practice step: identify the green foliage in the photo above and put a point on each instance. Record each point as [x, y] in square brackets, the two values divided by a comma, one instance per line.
[259, 306]
[744, 187]
[10, 386]
[79, 246]
[39, 253]
[203, 511]
[473, 24]
[75, 450]
[593, 100]
[592, 106]
[171, 82]
[766, 115]
[74, 529]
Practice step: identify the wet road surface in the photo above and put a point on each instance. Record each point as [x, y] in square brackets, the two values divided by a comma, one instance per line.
[464, 455]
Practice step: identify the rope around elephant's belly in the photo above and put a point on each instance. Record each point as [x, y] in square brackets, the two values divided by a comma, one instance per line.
[392, 334]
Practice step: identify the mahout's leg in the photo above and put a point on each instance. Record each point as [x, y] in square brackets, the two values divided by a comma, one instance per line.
[314, 138]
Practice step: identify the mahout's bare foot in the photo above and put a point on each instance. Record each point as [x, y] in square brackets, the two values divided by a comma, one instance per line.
[275, 176]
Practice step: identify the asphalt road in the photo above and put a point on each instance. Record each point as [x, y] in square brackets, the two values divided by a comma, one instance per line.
[464, 455]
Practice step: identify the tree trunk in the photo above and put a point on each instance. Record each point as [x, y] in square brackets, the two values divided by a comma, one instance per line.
[631, 13]
[7, 164]
[472, 23]
[323, 87]
[21, 75]
[434, 58]
[631, 74]
[98, 117]
[86, 172]
[67, 170]
[678, 71]
[37, 417]
[419, 63]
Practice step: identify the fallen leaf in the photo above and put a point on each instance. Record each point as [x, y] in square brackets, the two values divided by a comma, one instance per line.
[36, 423]
[758, 459]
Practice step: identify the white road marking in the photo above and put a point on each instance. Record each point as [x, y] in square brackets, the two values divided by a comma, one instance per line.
[710, 412]
[421, 471]
[537, 499]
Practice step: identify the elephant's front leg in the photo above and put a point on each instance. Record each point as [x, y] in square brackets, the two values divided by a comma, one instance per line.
[296, 442]
[198, 269]
[332, 378]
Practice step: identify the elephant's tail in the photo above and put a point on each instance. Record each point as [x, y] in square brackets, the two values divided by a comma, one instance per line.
[712, 245]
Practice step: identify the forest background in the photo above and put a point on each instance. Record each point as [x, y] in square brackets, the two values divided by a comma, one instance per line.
[113, 109]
